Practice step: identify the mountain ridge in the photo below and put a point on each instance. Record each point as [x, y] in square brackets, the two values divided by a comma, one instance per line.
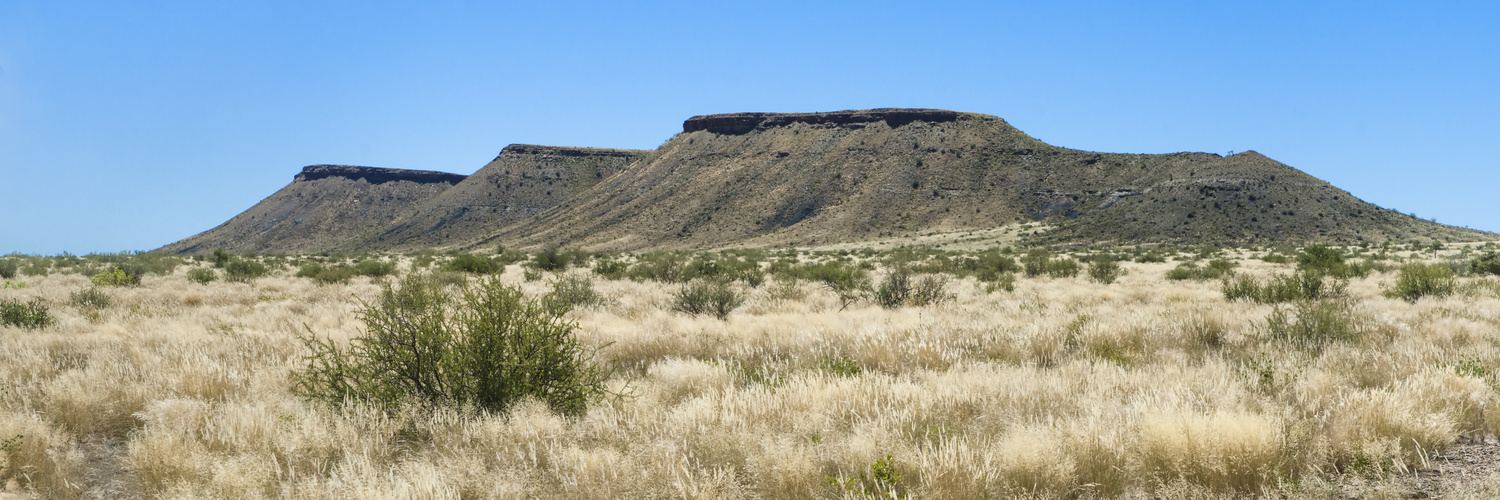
[776, 179]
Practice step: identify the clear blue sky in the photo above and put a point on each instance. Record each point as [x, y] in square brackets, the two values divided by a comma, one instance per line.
[129, 125]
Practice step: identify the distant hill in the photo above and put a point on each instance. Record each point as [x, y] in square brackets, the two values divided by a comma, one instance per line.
[762, 179]
[814, 178]
[324, 206]
[523, 181]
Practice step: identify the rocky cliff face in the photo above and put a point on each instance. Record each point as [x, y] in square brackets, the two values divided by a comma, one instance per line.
[375, 175]
[739, 123]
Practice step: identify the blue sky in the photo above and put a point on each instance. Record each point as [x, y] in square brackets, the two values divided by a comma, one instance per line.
[129, 125]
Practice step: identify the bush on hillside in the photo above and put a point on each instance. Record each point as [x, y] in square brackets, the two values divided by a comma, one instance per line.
[8, 268]
[486, 347]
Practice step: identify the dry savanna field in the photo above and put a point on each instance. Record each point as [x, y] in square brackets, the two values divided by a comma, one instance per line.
[986, 381]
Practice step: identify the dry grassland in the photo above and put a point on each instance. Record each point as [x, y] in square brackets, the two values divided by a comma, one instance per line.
[1063, 388]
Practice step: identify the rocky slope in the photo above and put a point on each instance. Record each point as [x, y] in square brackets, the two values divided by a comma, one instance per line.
[814, 178]
[767, 179]
[523, 181]
[324, 206]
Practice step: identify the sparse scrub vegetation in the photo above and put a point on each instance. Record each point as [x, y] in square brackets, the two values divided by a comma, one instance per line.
[1292, 383]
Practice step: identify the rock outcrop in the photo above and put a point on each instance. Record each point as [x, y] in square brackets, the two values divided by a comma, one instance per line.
[374, 175]
[739, 123]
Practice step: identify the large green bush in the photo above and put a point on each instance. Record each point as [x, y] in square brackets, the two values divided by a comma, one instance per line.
[242, 270]
[1215, 269]
[472, 264]
[202, 275]
[570, 291]
[8, 268]
[1488, 263]
[29, 315]
[707, 297]
[1416, 280]
[1301, 285]
[326, 275]
[1104, 270]
[1313, 324]
[484, 346]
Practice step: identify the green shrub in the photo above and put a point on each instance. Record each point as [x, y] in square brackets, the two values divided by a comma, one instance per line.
[1331, 262]
[7, 268]
[374, 268]
[487, 347]
[1104, 270]
[1062, 268]
[1416, 280]
[117, 276]
[90, 297]
[1035, 263]
[1315, 323]
[1301, 285]
[1215, 269]
[662, 267]
[707, 297]
[1488, 263]
[1005, 281]
[1150, 257]
[29, 315]
[326, 275]
[202, 275]
[895, 290]
[220, 258]
[551, 260]
[572, 291]
[242, 271]
[930, 289]
[610, 269]
[841, 366]
[472, 264]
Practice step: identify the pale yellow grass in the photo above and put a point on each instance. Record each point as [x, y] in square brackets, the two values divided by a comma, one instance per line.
[1062, 388]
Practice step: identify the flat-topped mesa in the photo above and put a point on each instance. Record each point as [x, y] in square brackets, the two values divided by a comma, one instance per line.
[376, 175]
[739, 123]
[532, 149]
